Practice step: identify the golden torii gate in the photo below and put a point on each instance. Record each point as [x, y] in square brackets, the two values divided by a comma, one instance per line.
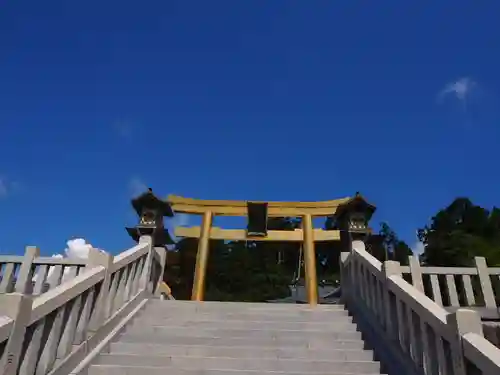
[307, 234]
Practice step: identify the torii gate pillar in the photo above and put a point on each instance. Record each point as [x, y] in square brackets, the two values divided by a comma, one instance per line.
[200, 270]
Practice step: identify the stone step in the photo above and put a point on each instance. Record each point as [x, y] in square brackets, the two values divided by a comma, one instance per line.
[351, 334]
[196, 307]
[304, 316]
[250, 331]
[227, 338]
[242, 352]
[338, 324]
[335, 340]
[132, 370]
[211, 305]
[202, 363]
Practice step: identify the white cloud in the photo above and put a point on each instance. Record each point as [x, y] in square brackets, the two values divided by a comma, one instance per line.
[179, 220]
[77, 249]
[460, 90]
[4, 191]
[137, 186]
[123, 128]
[8, 187]
[418, 248]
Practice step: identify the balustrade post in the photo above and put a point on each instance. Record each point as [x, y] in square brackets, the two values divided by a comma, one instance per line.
[17, 307]
[417, 329]
[416, 273]
[345, 277]
[145, 281]
[100, 258]
[391, 268]
[485, 281]
[461, 322]
[162, 257]
[24, 283]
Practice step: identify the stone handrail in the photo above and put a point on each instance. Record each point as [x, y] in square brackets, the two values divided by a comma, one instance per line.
[460, 286]
[413, 333]
[58, 331]
[29, 273]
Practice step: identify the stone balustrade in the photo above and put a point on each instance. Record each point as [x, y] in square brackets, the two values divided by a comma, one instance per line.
[454, 287]
[54, 332]
[32, 274]
[60, 331]
[411, 333]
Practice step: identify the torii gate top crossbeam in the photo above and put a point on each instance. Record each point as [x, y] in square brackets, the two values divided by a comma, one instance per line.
[239, 208]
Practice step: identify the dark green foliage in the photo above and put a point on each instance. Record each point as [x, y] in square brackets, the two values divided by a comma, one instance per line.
[260, 271]
[253, 271]
[242, 271]
[387, 246]
[460, 232]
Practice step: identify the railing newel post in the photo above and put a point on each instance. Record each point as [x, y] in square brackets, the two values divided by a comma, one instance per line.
[17, 307]
[24, 283]
[103, 259]
[345, 277]
[162, 255]
[145, 280]
[461, 322]
[390, 268]
[416, 273]
[485, 282]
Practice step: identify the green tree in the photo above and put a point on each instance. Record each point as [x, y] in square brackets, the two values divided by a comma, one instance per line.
[179, 273]
[461, 231]
[386, 245]
[245, 271]
[251, 271]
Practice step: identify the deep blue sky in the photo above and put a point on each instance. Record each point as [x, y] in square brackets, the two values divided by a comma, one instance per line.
[398, 100]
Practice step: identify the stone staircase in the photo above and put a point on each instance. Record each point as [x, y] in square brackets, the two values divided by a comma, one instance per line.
[106, 319]
[183, 337]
